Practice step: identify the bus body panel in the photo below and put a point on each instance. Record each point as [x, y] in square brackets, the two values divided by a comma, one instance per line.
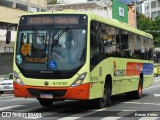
[93, 84]
[121, 82]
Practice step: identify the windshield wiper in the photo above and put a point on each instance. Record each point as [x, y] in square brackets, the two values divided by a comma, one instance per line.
[56, 40]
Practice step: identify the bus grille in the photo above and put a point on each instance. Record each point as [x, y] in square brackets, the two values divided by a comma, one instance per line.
[38, 92]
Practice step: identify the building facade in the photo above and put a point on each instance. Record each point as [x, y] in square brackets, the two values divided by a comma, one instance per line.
[10, 11]
[132, 16]
[96, 7]
[150, 8]
[119, 11]
[111, 9]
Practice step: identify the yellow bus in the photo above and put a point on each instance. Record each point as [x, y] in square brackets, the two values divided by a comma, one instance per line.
[79, 56]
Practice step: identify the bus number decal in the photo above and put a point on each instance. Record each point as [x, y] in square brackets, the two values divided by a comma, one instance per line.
[118, 72]
[60, 83]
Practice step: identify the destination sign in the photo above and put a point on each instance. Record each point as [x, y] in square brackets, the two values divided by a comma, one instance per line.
[52, 20]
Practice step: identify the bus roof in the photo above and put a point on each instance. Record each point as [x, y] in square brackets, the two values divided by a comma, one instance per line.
[93, 16]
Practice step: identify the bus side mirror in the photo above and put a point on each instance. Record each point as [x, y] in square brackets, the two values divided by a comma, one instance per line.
[8, 37]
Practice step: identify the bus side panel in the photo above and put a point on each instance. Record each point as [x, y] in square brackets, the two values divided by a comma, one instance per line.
[127, 73]
[98, 76]
[121, 82]
[148, 80]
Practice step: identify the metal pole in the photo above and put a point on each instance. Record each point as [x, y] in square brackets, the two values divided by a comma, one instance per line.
[135, 17]
[149, 2]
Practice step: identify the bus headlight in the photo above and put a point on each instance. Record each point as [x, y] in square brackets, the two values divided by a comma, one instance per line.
[17, 79]
[79, 80]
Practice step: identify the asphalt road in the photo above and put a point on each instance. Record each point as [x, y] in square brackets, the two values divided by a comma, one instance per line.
[122, 108]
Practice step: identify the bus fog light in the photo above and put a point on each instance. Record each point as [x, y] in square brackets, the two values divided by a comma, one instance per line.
[79, 80]
[17, 79]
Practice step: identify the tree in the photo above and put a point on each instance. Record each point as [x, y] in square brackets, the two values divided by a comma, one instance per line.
[151, 26]
[143, 22]
[51, 2]
[156, 31]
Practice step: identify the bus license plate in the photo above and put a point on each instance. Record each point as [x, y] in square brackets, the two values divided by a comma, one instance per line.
[47, 96]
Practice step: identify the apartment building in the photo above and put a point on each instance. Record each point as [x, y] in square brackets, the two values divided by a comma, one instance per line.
[150, 8]
[93, 6]
[111, 9]
[10, 12]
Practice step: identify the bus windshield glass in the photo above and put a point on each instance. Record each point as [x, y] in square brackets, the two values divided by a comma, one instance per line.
[58, 44]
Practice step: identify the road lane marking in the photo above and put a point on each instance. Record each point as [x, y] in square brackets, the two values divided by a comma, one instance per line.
[9, 107]
[151, 87]
[139, 103]
[129, 110]
[16, 99]
[110, 118]
[74, 117]
[132, 102]
[156, 95]
[151, 103]
[156, 80]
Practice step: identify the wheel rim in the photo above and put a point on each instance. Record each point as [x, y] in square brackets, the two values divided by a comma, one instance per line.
[140, 90]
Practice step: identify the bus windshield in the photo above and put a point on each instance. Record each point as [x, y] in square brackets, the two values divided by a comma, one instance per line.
[51, 48]
[60, 49]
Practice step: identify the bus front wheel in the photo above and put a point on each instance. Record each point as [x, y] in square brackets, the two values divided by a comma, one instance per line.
[45, 102]
[106, 99]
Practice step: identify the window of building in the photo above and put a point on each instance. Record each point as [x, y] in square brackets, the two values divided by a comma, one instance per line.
[153, 4]
[33, 9]
[4, 26]
[8, 49]
[159, 13]
[154, 14]
[158, 3]
[6, 3]
[21, 6]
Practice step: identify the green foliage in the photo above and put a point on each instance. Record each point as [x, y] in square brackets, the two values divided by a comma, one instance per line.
[143, 23]
[156, 31]
[52, 2]
[151, 26]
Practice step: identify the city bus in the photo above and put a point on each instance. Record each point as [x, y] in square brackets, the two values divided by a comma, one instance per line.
[71, 55]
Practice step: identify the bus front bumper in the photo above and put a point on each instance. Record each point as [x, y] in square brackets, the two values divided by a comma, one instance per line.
[80, 92]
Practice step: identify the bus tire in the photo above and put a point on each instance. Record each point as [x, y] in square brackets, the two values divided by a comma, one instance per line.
[138, 93]
[45, 102]
[106, 99]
